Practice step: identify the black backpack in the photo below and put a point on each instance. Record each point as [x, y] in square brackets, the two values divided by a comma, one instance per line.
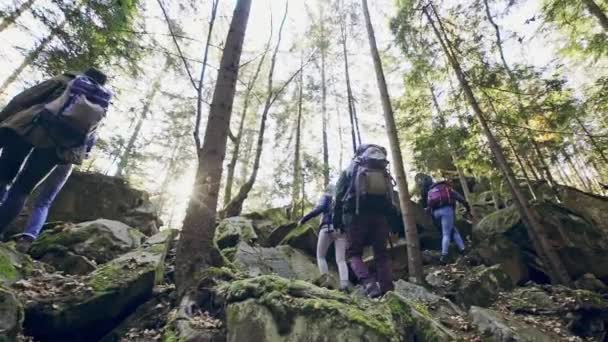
[371, 185]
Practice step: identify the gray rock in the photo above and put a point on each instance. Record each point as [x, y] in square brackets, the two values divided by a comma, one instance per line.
[233, 230]
[589, 282]
[109, 294]
[68, 262]
[499, 328]
[483, 286]
[284, 261]
[13, 265]
[11, 315]
[99, 241]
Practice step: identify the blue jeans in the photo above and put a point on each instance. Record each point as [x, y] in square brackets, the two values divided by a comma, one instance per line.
[448, 229]
[49, 189]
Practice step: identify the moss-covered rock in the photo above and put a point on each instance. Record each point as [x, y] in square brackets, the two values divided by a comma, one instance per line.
[303, 237]
[99, 241]
[284, 261]
[11, 315]
[483, 286]
[580, 243]
[233, 230]
[496, 327]
[13, 265]
[116, 288]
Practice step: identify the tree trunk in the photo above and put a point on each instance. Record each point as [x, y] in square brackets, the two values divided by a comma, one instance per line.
[573, 168]
[29, 59]
[127, 153]
[235, 206]
[297, 167]
[239, 136]
[13, 16]
[521, 164]
[597, 12]
[495, 196]
[195, 249]
[555, 269]
[324, 106]
[592, 140]
[411, 231]
[349, 91]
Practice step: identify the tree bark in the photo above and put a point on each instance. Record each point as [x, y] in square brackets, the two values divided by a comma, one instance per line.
[555, 269]
[235, 206]
[195, 250]
[521, 164]
[297, 165]
[597, 12]
[125, 157]
[324, 105]
[239, 137]
[349, 91]
[13, 16]
[411, 231]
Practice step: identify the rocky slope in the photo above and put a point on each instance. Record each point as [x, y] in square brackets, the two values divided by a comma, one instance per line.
[106, 279]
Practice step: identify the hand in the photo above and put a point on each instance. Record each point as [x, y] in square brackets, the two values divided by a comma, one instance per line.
[300, 222]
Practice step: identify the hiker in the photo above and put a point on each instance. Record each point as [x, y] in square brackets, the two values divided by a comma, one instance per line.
[441, 203]
[363, 205]
[424, 183]
[327, 235]
[51, 122]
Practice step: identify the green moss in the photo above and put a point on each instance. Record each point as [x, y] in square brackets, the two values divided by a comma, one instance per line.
[286, 299]
[53, 239]
[8, 272]
[229, 253]
[297, 232]
[170, 335]
[422, 309]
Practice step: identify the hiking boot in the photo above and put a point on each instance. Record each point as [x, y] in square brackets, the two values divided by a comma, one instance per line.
[23, 243]
[345, 286]
[372, 290]
[443, 260]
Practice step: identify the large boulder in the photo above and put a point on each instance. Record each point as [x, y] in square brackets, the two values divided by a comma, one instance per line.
[233, 230]
[13, 265]
[303, 237]
[11, 315]
[482, 287]
[100, 241]
[106, 197]
[284, 261]
[576, 237]
[495, 326]
[270, 308]
[102, 299]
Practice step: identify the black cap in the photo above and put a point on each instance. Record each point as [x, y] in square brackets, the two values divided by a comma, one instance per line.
[96, 75]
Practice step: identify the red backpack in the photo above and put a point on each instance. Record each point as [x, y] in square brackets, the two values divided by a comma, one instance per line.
[440, 195]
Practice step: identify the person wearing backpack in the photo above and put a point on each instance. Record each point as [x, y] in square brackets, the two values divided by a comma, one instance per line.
[47, 125]
[327, 236]
[441, 202]
[363, 205]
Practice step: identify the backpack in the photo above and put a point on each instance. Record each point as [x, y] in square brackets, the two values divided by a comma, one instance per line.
[440, 195]
[74, 116]
[371, 183]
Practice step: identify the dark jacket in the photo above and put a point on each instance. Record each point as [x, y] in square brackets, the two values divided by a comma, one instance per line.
[323, 207]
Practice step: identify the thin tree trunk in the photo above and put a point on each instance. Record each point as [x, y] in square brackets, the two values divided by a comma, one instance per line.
[349, 91]
[297, 165]
[411, 231]
[29, 59]
[199, 89]
[555, 269]
[597, 12]
[495, 196]
[195, 249]
[324, 106]
[592, 140]
[521, 164]
[544, 166]
[13, 16]
[235, 206]
[239, 136]
[573, 168]
[128, 151]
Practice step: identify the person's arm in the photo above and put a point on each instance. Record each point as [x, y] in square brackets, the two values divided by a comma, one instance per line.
[324, 202]
[458, 197]
[38, 94]
[341, 188]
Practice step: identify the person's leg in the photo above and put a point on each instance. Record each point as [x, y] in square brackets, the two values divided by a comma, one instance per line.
[380, 232]
[446, 229]
[37, 167]
[14, 152]
[450, 217]
[340, 245]
[322, 245]
[49, 189]
[356, 234]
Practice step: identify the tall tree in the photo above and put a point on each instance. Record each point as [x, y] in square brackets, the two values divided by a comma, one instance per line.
[297, 162]
[550, 258]
[411, 231]
[14, 15]
[195, 249]
[323, 48]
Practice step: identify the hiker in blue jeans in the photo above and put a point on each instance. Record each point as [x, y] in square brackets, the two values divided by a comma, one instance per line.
[441, 201]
